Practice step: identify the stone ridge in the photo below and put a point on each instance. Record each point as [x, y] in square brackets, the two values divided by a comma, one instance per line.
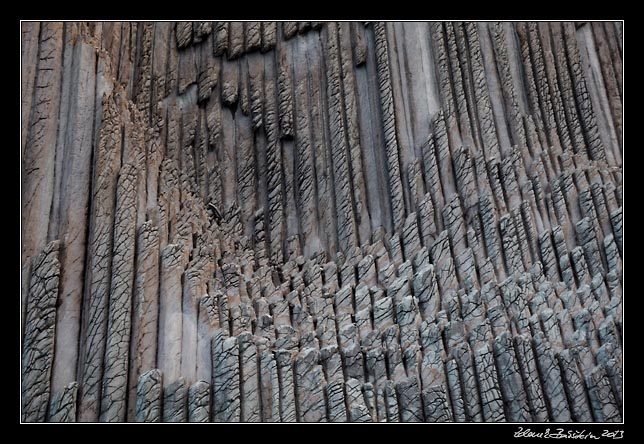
[319, 221]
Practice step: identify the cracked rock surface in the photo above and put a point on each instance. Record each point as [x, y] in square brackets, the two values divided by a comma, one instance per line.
[321, 222]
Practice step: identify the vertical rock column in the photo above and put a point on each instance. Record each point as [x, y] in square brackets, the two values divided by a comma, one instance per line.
[63, 404]
[148, 397]
[92, 344]
[38, 343]
[274, 163]
[170, 318]
[143, 346]
[72, 199]
[347, 236]
[353, 135]
[40, 147]
[226, 381]
[310, 384]
[389, 126]
[120, 303]
[307, 210]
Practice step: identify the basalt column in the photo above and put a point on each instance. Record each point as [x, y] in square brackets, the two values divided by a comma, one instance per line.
[321, 221]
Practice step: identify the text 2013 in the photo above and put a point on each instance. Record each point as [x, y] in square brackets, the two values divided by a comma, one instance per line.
[567, 434]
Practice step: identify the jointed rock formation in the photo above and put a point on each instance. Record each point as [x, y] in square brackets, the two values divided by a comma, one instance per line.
[318, 221]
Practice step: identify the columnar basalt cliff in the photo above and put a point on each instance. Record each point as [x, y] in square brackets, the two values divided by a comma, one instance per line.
[318, 221]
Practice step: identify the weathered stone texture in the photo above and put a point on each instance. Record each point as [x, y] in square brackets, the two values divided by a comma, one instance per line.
[320, 221]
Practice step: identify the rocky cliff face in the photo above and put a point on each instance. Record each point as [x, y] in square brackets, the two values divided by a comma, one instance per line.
[306, 221]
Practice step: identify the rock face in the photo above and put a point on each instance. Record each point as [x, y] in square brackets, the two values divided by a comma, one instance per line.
[321, 222]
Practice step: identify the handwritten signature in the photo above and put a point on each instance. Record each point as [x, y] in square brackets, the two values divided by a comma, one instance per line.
[568, 434]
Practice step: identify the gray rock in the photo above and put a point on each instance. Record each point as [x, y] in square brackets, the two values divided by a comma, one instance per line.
[250, 390]
[467, 371]
[199, 402]
[336, 409]
[391, 141]
[287, 386]
[358, 410]
[63, 404]
[38, 340]
[602, 400]
[574, 387]
[226, 379]
[391, 402]
[455, 391]
[269, 388]
[514, 395]
[114, 391]
[310, 383]
[149, 397]
[321, 221]
[491, 399]
[531, 382]
[616, 222]
[436, 404]
[409, 400]
[175, 398]
[552, 381]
